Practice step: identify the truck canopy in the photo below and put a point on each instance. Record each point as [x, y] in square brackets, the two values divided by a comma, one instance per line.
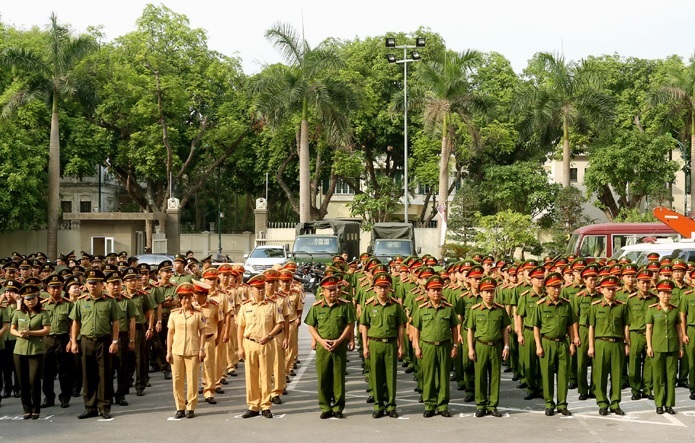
[402, 231]
[347, 231]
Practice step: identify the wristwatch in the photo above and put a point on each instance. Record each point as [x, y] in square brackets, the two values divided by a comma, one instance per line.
[115, 342]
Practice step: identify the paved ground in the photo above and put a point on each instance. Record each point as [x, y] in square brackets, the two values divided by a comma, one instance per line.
[150, 417]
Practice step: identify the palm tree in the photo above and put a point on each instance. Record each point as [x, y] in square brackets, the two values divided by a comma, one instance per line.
[304, 87]
[562, 94]
[50, 77]
[678, 90]
[449, 92]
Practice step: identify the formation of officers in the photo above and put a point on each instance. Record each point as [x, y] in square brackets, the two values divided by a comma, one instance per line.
[102, 325]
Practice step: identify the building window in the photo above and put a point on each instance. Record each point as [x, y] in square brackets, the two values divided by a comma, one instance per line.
[66, 206]
[85, 206]
[423, 189]
[573, 175]
[343, 188]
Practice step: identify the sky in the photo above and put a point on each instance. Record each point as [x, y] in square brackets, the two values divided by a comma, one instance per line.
[516, 29]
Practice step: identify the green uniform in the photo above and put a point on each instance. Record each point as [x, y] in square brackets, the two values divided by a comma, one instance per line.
[382, 323]
[58, 361]
[553, 320]
[683, 365]
[330, 321]
[124, 358]
[581, 303]
[28, 358]
[435, 325]
[640, 366]
[687, 307]
[465, 372]
[569, 292]
[609, 322]
[526, 305]
[488, 326]
[666, 346]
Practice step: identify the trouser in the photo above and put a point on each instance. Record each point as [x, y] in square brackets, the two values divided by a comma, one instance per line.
[9, 370]
[435, 367]
[330, 371]
[383, 358]
[58, 361]
[30, 371]
[232, 349]
[279, 366]
[514, 352]
[185, 368]
[209, 366]
[121, 365]
[530, 363]
[467, 366]
[488, 368]
[141, 375]
[690, 355]
[584, 384]
[573, 365]
[97, 385]
[407, 350]
[555, 362]
[665, 373]
[640, 367]
[220, 362]
[258, 366]
[159, 341]
[293, 349]
[683, 369]
[77, 379]
[608, 360]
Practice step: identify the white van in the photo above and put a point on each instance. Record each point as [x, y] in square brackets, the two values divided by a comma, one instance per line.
[683, 249]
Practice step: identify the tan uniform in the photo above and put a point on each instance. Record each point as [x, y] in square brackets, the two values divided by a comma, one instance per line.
[211, 311]
[257, 319]
[220, 297]
[185, 329]
[283, 306]
[296, 303]
[234, 299]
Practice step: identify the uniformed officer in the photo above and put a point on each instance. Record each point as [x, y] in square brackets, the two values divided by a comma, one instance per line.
[295, 300]
[488, 345]
[383, 323]
[687, 309]
[185, 350]
[609, 344]
[95, 319]
[640, 366]
[435, 334]
[210, 310]
[259, 322]
[164, 296]
[555, 332]
[125, 356]
[581, 302]
[144, 325]
[281, 341]
[665, 346]
[526, 305]
[330, 322]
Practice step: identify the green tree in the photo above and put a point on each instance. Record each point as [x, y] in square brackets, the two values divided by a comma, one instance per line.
[464, 213]
[501, 234]
[377, 203]
[521, 187]
[47, 75]
[559, 96]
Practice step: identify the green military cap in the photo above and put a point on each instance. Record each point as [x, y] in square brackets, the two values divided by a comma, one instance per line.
[130, 273]
[48, 268]
[478, 258]
[123, 255]
[665, 285]
[487, 284]
[77, 270]
[24, 264]
[113, 276]
[86, 255]
[71, 281]
[330, 282]
[94, 275]
[679, 264]
[144, 268]
[553, 279]
[610, 281]
[180, 257]
[166, 265]
[108, 268]
[9, 265]
[33, 281]
[207, 259]
[434, 282]
[476, 271]
[121, 265]
[629, 269]
[54, 280]
[12, 285]
[41, 255]
[29, 291]
[111, 255]
[379, 268]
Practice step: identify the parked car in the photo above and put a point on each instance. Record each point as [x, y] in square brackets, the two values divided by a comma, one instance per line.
[264, 257]
[684, 249]
[153, 259]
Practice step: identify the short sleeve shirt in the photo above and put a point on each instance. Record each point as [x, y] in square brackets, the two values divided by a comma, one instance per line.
[664, 329]
[330, 320]
[186, 326]
[95, 315]
[435, 323]
[487, 323]
[384, 320]
[30, 321]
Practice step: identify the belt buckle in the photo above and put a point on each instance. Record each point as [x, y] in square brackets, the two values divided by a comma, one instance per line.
[384, 340]
[437, 343]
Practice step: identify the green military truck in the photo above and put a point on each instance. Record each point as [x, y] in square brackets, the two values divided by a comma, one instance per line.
[322, 247]
[390, 240]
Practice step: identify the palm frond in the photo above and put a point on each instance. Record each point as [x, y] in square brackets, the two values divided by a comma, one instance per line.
[287, 40]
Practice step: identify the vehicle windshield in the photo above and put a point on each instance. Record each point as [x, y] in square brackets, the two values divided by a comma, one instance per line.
[392, 248]
[268, 253]
[573, 244]
[316, 245]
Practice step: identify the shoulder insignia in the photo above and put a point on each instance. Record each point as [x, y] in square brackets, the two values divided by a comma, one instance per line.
[499, 305]
[477, 305]
[340, 299]
[213, 302]
[580, 293]
[689, 291]
[632, 295]
[565, 299]
[620, 302]
[673, 306]
[176, 310]
[369, 301]
[542, 299]
[423, 305]
[246, 301]
[446, 303]
[654, 305]
[596, 302]
[525, 292]
[319, 302]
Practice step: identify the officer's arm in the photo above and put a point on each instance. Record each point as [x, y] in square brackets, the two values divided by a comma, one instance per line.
[537, 336]
[5, 327]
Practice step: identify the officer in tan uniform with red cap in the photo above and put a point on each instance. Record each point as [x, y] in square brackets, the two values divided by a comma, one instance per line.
[281, 341]
[295, 300]
[210, 309]
[258, 323]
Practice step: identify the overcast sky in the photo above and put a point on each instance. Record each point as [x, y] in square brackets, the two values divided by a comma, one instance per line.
[516, 29]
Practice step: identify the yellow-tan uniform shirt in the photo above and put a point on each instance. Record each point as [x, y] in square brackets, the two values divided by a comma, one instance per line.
[186, 326]
[259, 318]
[211, 311]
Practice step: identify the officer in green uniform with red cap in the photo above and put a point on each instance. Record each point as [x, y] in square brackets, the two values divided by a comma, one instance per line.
[330, 322]
[687, 309]
[640, 366]
[466, 301]
[435, 334]
[679, 267]
[488, 345]
[555, 332]
[581, 303]
[609, 344]
[526, 305]
[665, 346]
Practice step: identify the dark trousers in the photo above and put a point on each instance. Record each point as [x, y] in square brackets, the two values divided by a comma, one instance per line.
[140, 367]
[58, 362]
[30, 372]
[77, 375]
[159, 341]
[9, 372]
[97, 375]
[122, 364]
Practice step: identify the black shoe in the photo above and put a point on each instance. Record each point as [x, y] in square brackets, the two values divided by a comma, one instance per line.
[232, 373]
[583, 397]
[65, 404]
[445, 413]
[428, 414]
[249, 414]
[549, 412]
[224, 381]
[572, 386]
[453, 377]
[287, 379]
[592, 395]
[404, 365]
[140, 392]
[494, 412]
[564, 411]
[292, 373]
[670, 410]
[650, 396]
[167, 375]
[409, 369]
[392, 413]
[624, 385]
[219, 391]
[338, 415]
[120, 401]
[75, 394]
[26, 416]
[36, 416]
[659, 410]
[284, 392]
[296, 363]
[480, 413]
[370, 399]
[148, 385]
[507, 370]
[683, 384]
[469, 397]
[420, 400]
[618, 411]
[603, 411]
[325, 415]
[180, 414]
[378, 414]
[515, 377]
[460, 388]
[190, 414]
[88, 414]
[294, 366]
[522, 386]
[16, 394]
[692, 396]
[106, 415]
[276, 400]
[636, 397]
[6, 394]
[211, 400]
[200, 390]
[530, 396]
[266, 413]
[47, 404]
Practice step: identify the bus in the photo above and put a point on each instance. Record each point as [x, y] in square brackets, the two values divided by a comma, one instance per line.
[603, 239]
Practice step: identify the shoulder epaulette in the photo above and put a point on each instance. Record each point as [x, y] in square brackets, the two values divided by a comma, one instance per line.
[689, 291]
[395, 300]
[596, 302]
[525, 292]
[499, 305]
[541, 300]
[109, 296]
[565, 299]
[246, 301]
[423, 305]
[446, 303]
[316, 303]
[176, 310]
[581, 293]
[654, 305]
[213, 302]
[343, 300]
[476, 305]
[633, 294]
[620, 302]
[369, 301]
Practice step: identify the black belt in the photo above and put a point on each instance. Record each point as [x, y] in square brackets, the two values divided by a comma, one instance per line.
[437, 343]
[691, 326]
[60, 335]
[209, 335]
[99, 338]
[557, 340]
[611, 339]
[530, 328]
[639, 332]
[488, 343]
[383, 340]
[251, 339]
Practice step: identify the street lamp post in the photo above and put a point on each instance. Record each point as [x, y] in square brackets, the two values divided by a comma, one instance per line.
[415, 56]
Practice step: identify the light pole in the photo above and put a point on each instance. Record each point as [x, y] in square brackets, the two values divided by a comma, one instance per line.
[415, 56]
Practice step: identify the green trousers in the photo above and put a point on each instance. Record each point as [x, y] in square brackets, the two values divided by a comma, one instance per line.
[640, 367]
[488, 371]
[584, 384]
[513, 353]
[555, 362]
[665, 373]
[435, 367]
[383, 358]
[330, 371]
[690, 355]
[608, 360]
[530, 363]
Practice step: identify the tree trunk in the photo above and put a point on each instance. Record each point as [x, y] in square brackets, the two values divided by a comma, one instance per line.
[565, 154]
[692, 161]
[53, 183]
[443, 181]
[149, 228]
[304, 180]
